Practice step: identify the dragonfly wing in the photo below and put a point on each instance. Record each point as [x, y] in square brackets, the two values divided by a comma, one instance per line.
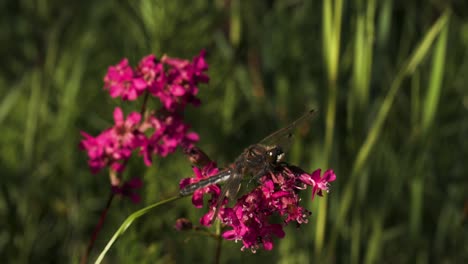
[230, 189]
[283, 137]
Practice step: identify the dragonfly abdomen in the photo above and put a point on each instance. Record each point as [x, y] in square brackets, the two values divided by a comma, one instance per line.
[218, 178]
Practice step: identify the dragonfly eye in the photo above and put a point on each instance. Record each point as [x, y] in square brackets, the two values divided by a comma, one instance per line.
[275, 155]
[271, 156]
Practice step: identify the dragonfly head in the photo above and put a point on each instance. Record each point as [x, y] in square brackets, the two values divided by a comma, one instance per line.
[275, 155]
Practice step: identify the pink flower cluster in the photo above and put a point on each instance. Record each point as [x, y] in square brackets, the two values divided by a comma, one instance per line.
[114, 146]
[169, 132]
[174, 82]
[251, 218]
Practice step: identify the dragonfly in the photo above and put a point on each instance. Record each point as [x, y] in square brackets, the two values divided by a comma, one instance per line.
[256, 160]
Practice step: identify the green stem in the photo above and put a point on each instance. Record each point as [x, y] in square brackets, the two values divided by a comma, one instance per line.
[97, 229]
[205, 233]
[218, 249]
[129, 221]
[218, 243]
[143, 106]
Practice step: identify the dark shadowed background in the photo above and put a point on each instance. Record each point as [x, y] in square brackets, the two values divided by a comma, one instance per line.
[388, 78]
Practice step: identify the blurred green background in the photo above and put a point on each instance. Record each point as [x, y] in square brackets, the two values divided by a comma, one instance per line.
[389, 79]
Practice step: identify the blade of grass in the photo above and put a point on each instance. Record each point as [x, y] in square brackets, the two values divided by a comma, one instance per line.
[408, 68]
[126, 224]
[355, 238]
[373, 250]
[413, 62]
[235, 27]
[10, 100]
[362, 68]
[428, 112]
[416, 205]
[331, 37]
[33, 116]
[415, 101]
[435, 83]
[384, 23]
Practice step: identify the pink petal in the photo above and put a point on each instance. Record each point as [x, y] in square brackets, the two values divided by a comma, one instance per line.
[118, 116]
[177, 90]
[329, 176]
[316, 175]
[131, 94]
[197, 199]
[133, 118]
[184, 182]
[267, 245]
[115, 91]
[207, 219]
[230, 235]
[139, 84]
[192, 136]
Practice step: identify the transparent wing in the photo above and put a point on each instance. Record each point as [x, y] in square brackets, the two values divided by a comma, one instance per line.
[230, 189]
[283, 137]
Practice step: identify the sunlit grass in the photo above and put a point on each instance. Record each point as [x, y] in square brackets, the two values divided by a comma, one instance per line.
[387, 78]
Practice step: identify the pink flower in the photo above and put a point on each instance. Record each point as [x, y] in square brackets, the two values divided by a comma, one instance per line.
[126, 131]
[251, 227]
[175, 87]
[318, 183]
[169, 133]
[96, 148]
[199, 67]
[152, 71]
[252, 218]
[122, 81]
[115, 145]
[179, 85]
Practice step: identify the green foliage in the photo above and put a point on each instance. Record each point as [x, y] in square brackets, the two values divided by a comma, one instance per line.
[388, 78]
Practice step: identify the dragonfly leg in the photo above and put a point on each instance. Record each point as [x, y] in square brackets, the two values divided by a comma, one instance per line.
[257, 176]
